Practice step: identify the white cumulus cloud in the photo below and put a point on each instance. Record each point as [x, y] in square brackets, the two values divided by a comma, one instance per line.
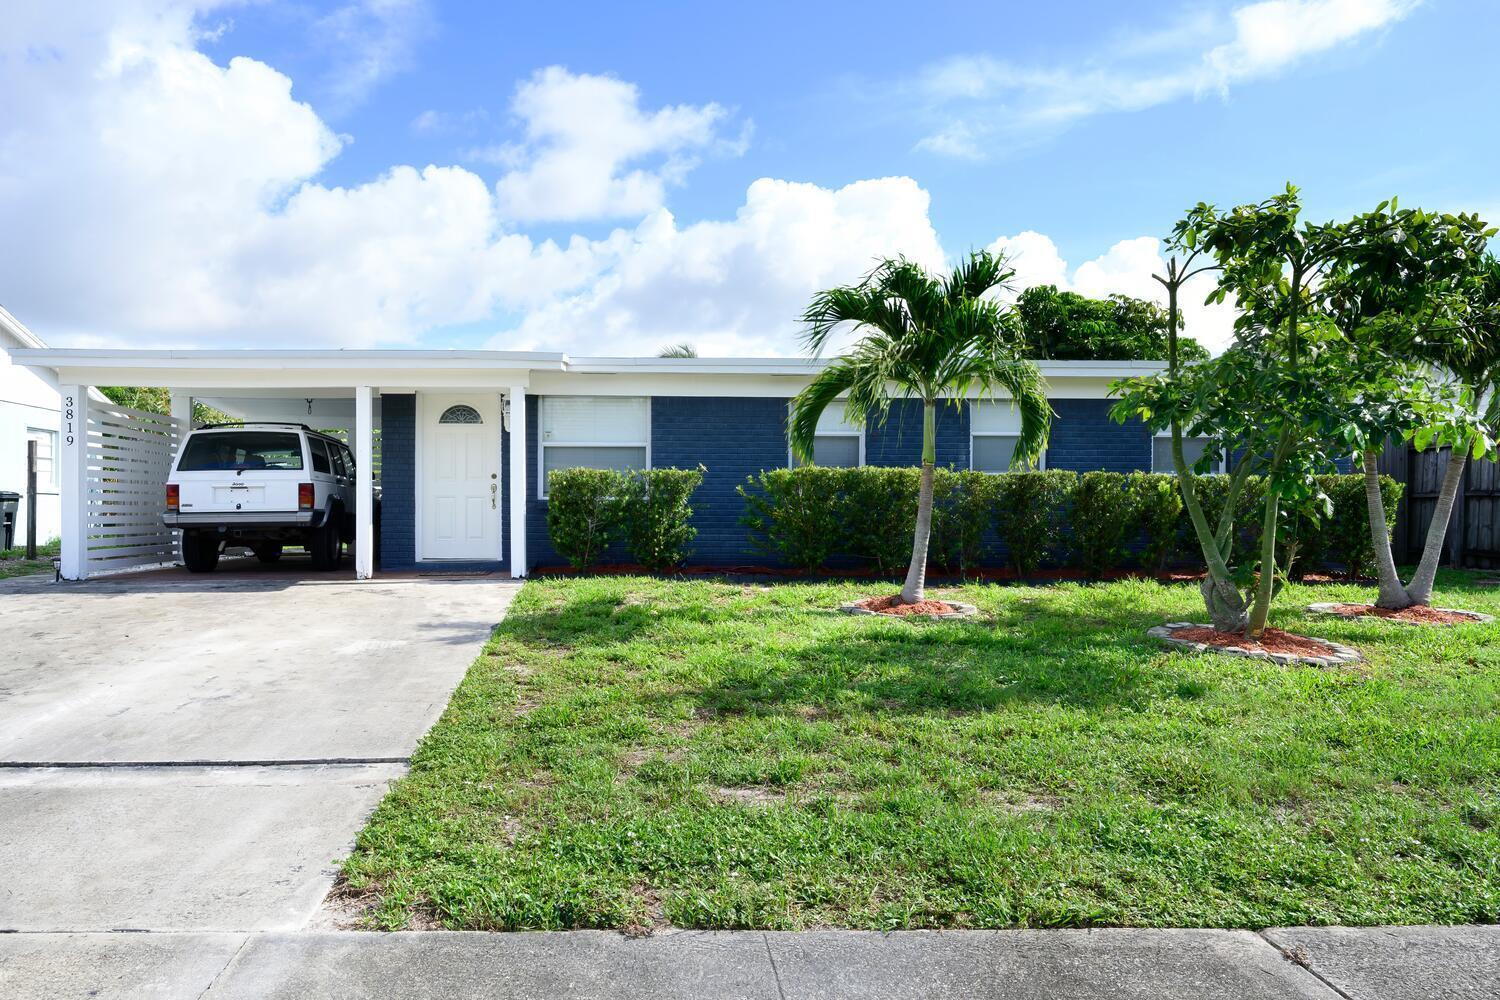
[592, 152]
[149, 192]
[1124, 269]
[738, 287]
[980, 101]
[146, 203]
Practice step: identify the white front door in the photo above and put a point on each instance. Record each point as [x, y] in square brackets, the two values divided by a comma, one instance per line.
[460, 477]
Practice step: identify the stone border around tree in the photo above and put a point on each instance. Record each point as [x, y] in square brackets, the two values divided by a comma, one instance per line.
[960, 610]
[1327, 608]
[1338, 654]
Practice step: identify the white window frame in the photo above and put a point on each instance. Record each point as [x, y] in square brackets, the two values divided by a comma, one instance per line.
[1222, 466]
[542, 446]
[1041, 462]
[47, 434]
[848, 431]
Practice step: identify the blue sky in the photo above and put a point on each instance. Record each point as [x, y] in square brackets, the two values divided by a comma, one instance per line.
[611, 177]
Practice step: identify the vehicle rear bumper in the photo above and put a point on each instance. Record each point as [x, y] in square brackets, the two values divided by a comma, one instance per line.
[238, 520]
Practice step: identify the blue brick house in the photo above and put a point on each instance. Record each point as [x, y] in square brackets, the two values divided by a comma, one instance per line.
[731, 418]
[459, 443]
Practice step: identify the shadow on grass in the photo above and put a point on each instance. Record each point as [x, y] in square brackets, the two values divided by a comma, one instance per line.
[1080, 647]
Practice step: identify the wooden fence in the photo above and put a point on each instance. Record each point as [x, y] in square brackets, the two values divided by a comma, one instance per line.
[1473, 538]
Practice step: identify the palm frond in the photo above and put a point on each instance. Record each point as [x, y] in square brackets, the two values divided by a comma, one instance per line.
[861, 305]
[809, 404]
[976, 275]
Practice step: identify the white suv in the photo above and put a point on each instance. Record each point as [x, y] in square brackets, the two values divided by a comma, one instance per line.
[261, 485]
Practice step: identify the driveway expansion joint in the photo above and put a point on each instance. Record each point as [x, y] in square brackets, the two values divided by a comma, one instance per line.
[1302, 963]
[273, 762]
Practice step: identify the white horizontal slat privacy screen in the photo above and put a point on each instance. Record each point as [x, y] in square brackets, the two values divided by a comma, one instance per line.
[129, 454]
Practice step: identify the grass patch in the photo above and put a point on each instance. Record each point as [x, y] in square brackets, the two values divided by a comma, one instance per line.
[634, 752]
[13, 561]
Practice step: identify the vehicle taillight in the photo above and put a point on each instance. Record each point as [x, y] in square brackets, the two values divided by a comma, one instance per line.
[174, 498]
[304, 496]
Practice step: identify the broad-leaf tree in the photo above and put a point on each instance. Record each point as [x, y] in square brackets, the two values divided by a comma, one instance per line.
[929, 338]
[1260, 400]
[1066, 326]
[1420, 303]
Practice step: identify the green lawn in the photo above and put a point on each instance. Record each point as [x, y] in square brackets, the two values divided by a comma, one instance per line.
[13, 562]
[634, 752]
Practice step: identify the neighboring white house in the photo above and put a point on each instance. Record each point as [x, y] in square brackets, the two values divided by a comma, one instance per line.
[28, 412]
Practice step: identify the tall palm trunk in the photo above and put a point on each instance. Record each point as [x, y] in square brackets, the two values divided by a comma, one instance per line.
[1420, 588]
[1393, 593]
[916, 574]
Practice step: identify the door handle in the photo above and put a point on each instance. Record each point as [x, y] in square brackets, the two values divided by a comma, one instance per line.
[493, 490]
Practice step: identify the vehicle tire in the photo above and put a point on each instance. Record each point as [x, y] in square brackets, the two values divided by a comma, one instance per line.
[270, 552]
[322, 544]
[200, 551]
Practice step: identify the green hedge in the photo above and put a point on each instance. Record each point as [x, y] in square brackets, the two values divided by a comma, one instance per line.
[811, 518]
[588, 510]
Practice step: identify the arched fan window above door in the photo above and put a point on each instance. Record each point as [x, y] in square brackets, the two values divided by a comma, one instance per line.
[460, 414]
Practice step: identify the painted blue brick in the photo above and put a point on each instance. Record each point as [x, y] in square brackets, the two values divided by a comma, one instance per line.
[398, 478]
[738, 437]
[898, 441]
[733, 438]
[1084, 439]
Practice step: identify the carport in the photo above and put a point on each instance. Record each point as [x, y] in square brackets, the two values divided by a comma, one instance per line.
[115, 460]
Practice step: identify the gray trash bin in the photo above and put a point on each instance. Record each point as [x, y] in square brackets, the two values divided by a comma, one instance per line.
[10, 503]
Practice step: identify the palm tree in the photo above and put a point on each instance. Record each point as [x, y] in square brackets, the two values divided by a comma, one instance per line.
[683, 350]
[928, 338]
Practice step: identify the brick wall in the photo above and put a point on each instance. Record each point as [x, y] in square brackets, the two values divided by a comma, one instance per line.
[733, 439]
[738, 437]
[398, 478]
[1084, 438]
[898, 441]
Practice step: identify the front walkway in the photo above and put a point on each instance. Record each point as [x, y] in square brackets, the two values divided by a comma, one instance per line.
[1309, 964]
[198, 753]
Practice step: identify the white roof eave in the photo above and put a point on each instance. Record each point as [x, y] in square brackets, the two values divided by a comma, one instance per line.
[126, 360]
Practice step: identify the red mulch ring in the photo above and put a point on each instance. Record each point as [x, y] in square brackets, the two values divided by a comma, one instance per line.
[1417, 614]
[892, 606]
[1272, 640]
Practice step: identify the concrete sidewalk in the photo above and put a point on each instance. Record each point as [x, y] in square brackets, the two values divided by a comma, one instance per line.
[1314, 963]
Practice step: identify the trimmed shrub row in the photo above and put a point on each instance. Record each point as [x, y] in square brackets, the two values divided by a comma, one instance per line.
[810, 517]
[588, 510]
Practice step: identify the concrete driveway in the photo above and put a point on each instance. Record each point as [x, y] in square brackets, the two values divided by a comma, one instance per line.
[182, 753]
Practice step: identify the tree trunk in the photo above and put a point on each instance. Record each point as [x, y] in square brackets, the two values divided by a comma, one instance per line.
[1420, 588]
[1265, 587]
[916, 574]
[1221, 597]
[1393, 593]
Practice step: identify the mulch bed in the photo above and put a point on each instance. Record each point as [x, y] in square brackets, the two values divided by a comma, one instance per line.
[1419, 614]
[892, 606]
[1272, 640]
[1274, 644]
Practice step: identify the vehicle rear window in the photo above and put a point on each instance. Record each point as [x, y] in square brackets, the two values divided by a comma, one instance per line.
[319, 455]
[241, 450]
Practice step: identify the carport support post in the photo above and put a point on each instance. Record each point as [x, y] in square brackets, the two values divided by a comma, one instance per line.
[518, 480]
[364, 482]
[182, 409]
[74, 425]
